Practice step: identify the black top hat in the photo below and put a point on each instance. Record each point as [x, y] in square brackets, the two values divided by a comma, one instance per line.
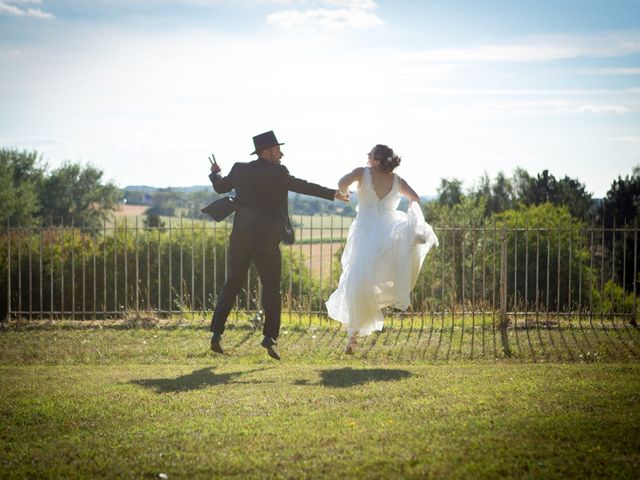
[264, 140]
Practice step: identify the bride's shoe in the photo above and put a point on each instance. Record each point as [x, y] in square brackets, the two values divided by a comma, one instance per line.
[350, 349]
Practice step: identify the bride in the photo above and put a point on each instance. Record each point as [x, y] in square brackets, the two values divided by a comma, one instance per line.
[385, 247]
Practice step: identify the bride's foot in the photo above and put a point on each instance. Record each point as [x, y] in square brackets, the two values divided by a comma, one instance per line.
[350, 349]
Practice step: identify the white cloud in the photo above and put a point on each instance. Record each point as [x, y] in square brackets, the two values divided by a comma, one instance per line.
[8, 7]
[354, 14]
[325, 19]
[540, 49]
[610, 71]
[361, 4]
[632, 139]
[602, 109]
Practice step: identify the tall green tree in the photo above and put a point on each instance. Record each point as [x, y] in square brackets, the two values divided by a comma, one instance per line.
[545, 188]
[21, 175]
[621, 208]
[450, 192]
[75, 194]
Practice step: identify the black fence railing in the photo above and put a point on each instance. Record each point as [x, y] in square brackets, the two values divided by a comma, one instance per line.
[504, 289]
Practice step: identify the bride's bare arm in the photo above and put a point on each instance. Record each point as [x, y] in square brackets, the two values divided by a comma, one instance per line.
[349, 178]
[408, 192]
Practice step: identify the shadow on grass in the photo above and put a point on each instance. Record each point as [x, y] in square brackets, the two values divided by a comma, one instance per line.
[349, 377]
[196, 380]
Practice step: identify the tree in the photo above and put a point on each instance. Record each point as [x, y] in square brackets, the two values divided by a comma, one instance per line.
[153, 221]
[620, 208]
[75, 194]
[545, 188]
[21, 174]
[450, 192]
[540, 264]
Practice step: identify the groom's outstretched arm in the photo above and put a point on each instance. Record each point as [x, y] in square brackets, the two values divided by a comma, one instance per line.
[307, 188]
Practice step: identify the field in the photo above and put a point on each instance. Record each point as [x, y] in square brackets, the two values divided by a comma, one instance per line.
[130, 401]
[131, 212]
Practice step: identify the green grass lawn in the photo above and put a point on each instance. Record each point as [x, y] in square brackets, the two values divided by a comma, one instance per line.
[118, 402]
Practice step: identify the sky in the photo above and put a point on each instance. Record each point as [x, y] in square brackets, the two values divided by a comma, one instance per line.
[147, 90]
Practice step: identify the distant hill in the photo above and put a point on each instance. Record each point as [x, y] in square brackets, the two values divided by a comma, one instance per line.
[199, 188]
[148, 189]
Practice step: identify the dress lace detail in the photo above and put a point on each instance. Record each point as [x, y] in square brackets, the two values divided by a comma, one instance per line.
[381, 260]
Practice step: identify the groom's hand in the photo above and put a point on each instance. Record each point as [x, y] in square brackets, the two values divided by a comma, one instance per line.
[342, 196]
[215, 168]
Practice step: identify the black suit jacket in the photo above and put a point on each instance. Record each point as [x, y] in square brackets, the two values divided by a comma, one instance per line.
[262, 191]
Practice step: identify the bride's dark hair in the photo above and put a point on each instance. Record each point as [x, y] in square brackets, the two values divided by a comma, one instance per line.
[388, 160]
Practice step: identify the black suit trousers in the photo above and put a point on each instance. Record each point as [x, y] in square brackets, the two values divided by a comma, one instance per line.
[244, 248]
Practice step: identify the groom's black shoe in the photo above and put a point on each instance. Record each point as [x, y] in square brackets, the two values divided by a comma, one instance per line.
[272, 347]
[216, 343]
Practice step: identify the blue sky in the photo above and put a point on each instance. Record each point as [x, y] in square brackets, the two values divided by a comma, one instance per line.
[145, 90]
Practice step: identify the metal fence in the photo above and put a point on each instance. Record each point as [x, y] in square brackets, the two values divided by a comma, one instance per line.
[494, 289]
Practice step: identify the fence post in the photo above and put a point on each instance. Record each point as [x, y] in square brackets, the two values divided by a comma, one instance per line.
[8, 317]
[504, 320]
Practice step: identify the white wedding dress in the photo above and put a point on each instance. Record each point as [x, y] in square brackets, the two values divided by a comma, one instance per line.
[381, 260]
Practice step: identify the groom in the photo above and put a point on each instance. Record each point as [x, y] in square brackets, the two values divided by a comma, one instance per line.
[261, 222]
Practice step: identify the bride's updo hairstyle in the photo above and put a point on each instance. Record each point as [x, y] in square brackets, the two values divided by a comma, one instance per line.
[388, 160]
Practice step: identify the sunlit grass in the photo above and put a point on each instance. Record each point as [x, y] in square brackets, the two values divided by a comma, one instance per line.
[138, 397]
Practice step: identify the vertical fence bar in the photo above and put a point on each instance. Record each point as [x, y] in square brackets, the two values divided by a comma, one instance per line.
[453, 289]
[559, 296]
[462, 259]
[515, 287]
[442, 292]
[494, 290]
[181, 277]
[537, 316]
[581, 244]
[504, 320]
[473, 288]
[215, 265]
[137, 269]
[635, 271]
[84, 278]
[624, 271]
[148, 269]
[613, 271]
[61, 270]
[310, 295]
[9, 306]
[104, 269]
[547, 297]
[73, 269]
[94, 246]
[30, 278]
[300, 294]
[193, 268]
[484, 297]
[51, 268]
[602, 278]
[515, 278]
[170, 290]
[204, 268]
[159, 254]
[19, 266]
[126, 265]
[41, 280]
[624, 312]
[115, 266]
[526, 289]
[591, 278]
[320, 305]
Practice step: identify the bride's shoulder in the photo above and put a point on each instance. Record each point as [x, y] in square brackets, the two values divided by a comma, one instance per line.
[357, 173]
